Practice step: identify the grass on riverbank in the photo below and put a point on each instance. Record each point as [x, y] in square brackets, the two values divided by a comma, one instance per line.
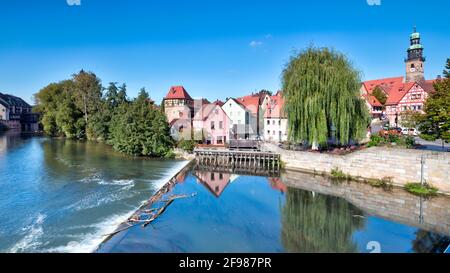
[384, 183]
[421, 190]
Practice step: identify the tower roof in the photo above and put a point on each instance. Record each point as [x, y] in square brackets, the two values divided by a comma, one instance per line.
[178, 92]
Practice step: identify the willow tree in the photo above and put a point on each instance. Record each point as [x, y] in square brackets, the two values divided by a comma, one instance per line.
[322, 101]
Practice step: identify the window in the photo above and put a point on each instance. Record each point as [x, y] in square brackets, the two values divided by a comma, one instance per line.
[239, 121]
[273, 122]
[220, 176]
[273, 132]
[268, 122]
[279, 122]
[212, 125]
[268, 132]
[212, 176]
[216, 111]
[220, 124]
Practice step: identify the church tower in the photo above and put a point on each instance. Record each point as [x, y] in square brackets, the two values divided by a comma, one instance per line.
[415, 60]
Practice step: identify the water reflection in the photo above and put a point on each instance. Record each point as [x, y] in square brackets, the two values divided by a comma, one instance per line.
[428, 242]
[249, 213]
[319, 223]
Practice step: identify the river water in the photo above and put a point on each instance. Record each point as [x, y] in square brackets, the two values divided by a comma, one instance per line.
[64, 196]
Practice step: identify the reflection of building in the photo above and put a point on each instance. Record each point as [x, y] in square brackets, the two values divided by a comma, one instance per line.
[277, 184]
[215, 182]
[16, 114]
[403, 93]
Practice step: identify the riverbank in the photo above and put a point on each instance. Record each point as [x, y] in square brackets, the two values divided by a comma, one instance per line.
[402, 166]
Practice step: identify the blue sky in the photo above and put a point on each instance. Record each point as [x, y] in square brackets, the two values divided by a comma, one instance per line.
[215, 48]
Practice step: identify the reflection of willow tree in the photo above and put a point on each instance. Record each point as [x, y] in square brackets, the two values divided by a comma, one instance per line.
[318, 224]
[428, 242]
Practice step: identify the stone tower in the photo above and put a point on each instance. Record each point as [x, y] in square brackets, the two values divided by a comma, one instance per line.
[415, 60]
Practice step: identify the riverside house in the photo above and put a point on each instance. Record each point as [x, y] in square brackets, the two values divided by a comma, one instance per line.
[275, 120]
[195, 119]
[179, 109]
[17, 115]
[247, 115]
[211, 124]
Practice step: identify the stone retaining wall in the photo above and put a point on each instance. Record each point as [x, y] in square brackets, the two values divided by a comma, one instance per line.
[403, 165]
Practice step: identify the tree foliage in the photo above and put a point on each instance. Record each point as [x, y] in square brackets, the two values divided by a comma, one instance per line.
[79, 109]
[435, 123]
[321, 92]
[379, 95]
[139, 128]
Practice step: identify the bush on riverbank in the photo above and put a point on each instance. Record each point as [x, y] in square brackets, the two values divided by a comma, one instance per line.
[421, 190]
[401, 141]
[186, 145]
[78, 109]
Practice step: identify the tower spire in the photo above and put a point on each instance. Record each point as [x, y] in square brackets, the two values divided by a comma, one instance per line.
[414, 60]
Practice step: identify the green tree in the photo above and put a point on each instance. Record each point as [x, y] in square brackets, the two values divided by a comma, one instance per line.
[100, 120]
[140, 129]
[48, 102]
[321, 92]
[409, 119]
[435, 123]
[88, 93]
[380, 95]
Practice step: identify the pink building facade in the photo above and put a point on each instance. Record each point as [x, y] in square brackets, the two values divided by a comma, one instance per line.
[211, 124]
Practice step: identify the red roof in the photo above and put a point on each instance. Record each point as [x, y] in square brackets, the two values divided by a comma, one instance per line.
[398, 91]
[275, 107]
[372, 100]
[219, 102]
[386, 83]
[250, 102]
[178, 92]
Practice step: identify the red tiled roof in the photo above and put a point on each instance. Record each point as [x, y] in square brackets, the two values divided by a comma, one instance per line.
[250, 102]
[398, 91]
[275, 107]
[372, 100]
[386, 83]
[178, 92]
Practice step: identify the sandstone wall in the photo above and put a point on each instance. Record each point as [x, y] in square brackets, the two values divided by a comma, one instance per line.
[403, 165]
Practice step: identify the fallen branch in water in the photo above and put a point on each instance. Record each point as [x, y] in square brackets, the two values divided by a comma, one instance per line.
[135, 219]
[167, 203]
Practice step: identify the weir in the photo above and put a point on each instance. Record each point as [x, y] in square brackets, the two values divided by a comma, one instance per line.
[233, 160]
